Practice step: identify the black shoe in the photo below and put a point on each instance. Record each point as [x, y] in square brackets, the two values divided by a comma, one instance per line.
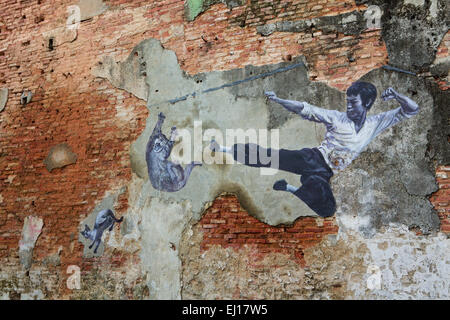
[280, 185]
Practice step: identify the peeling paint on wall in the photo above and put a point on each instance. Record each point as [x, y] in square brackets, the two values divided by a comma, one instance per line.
[32, 228]
[194, 7]
[91, 8]
[347, 23]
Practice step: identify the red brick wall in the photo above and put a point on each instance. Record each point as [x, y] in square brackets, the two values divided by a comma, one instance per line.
[441, 198]
[442, 53]
[227, 224]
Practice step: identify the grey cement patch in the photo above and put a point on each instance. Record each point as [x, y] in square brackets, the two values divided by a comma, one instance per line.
[438, 151]
[91, 8]
[412, 32]
[351, 23]
[32, 228]
[392, 176]
[60, 156]
[3, 98]
[193, 8]
[129, 75]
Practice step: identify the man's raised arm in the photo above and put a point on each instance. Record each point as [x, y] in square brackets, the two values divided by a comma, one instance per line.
[291, 105]
[409, 107]
[305, 110]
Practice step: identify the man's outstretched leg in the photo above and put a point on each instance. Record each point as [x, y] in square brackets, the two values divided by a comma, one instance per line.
[251, 154]
[315, 192]
[306, 161]
[214, 146]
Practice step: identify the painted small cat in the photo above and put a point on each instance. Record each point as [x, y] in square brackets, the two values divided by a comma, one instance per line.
[164, 174]
[105, 219]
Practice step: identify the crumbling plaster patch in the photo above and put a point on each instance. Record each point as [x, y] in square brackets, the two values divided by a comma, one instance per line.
[195, 7]
[407, 266]
[351, 23]
[32, 228]
[412, 31]
[3, 98]
[91, 8]
[59, 156]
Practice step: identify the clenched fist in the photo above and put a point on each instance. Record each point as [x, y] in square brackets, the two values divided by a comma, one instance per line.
[389, 94]
[270, 95]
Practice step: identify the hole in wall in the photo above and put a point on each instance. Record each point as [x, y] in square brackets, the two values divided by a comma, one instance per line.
[51, 44]
[39, 19]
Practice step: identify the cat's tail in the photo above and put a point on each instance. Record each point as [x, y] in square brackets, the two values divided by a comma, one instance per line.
[119, 220]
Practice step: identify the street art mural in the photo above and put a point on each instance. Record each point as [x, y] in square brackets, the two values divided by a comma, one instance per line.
[105, 220]
[254, 144]
[348, 134]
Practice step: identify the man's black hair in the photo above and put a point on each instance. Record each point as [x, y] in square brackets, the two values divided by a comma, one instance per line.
[366, 90]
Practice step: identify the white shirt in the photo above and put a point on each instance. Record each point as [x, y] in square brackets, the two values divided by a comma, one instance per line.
[342, 144]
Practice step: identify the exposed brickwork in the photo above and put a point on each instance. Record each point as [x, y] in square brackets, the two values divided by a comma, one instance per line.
[227, 224]
[441, 198]
[334, 58]
[441, 55]
[258, 12]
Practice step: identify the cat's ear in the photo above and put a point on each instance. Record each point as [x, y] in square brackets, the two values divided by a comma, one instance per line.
[86, 228]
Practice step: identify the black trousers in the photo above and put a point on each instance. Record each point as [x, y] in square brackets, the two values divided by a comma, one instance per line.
[308, 162]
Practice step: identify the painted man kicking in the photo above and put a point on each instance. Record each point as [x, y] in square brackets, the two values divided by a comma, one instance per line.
[348, 134]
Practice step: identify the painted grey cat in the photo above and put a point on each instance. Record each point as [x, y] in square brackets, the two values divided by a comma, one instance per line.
[165, 175]
[105, 219]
